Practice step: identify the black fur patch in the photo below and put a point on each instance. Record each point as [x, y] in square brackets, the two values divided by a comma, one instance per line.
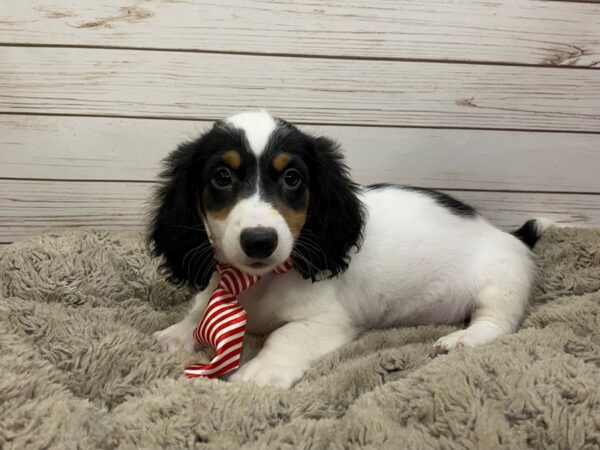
[292, 141]
[177, 231]
[335, 218]
[452, 204]
[529, 233]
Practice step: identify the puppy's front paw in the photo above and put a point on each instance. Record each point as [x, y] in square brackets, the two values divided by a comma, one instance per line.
[472, 336]
[178, 336]
[263, 373]
[469, 337]
[450, 342]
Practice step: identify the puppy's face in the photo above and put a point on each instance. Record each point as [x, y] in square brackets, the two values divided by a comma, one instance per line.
[255, 192]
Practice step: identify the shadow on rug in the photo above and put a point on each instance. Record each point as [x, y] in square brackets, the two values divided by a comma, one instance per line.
[80, 368]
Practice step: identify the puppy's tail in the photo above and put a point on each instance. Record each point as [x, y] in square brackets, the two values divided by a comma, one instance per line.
[531, 231]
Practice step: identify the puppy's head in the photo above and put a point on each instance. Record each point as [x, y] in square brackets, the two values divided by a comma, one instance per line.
[253, 191]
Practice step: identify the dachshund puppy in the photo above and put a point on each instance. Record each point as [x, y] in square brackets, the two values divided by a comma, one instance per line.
[255, 191]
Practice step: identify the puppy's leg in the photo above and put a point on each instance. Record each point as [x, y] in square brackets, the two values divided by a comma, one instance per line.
[179, 336]
[497, 312]
[290, 350]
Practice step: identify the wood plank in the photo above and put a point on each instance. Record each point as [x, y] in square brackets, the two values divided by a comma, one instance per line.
[309, 90]
[92, 148]
[509, 210]
[575, 1]
[31, 207]
[519, 31]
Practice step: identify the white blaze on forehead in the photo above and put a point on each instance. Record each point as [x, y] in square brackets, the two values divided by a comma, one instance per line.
[257, 126]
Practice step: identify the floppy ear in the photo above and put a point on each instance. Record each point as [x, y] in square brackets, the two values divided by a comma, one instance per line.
[335, 215]
[177, 231]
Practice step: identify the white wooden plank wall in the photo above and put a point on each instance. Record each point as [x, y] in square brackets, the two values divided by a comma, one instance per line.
[495, 102]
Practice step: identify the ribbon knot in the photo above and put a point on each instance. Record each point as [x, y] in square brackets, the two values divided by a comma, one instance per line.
[223, 323]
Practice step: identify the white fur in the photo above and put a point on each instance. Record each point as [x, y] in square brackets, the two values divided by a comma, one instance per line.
[419, 264]
[257, 126]
[249, 213]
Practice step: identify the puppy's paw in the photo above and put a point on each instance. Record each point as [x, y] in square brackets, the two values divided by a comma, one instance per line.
[262, 373]
[469, 337]
[476, 334]
[450, 342]
[462, 338]
[178, 336]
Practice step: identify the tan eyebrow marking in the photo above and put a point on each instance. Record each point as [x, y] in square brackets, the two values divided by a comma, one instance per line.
[233, 159]
[281, 160]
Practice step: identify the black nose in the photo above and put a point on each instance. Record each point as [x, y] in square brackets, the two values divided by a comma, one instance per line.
[258, 242]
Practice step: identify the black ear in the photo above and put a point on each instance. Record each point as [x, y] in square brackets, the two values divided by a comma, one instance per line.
[335, 215]
[176, 230]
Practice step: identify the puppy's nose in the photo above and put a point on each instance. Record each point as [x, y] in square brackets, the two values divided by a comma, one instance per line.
[258, 242]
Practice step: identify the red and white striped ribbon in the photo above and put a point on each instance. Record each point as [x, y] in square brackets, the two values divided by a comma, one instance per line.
[223, 324]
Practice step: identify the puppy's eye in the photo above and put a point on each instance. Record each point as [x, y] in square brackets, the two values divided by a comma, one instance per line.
[222, 178]
[292, 178]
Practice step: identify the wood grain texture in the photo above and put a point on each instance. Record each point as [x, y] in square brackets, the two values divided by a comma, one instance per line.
[31, 207]
[92, 148]
[516, 31]
[208, 86]
[575, 1]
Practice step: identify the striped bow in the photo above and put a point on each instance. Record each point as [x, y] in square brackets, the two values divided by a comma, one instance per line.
[223, 324]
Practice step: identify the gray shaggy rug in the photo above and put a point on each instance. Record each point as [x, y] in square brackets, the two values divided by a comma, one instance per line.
[80, 369]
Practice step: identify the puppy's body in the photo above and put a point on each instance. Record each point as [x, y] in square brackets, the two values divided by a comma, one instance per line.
[415, 272]
[425, 258]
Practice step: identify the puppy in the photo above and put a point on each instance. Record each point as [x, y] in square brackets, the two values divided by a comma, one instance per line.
[255, 191]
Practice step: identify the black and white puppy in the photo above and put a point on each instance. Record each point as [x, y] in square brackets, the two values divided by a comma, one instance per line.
[254, 191]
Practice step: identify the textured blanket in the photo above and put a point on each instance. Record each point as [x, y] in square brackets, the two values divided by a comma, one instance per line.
[80, 369]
